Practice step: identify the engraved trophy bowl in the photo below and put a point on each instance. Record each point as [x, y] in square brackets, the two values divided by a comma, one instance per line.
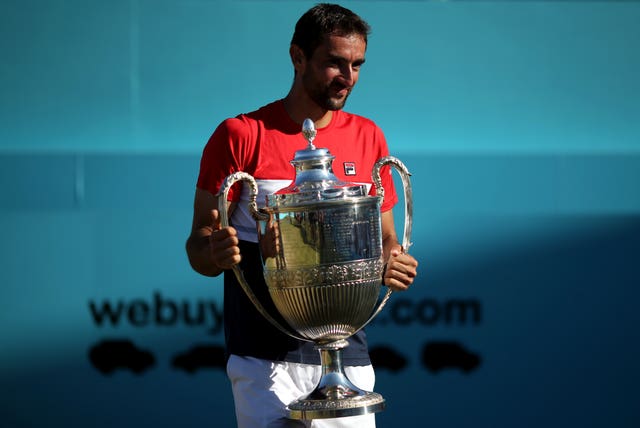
[321, 246]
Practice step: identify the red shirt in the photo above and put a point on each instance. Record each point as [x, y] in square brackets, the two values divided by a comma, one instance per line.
[263, 143]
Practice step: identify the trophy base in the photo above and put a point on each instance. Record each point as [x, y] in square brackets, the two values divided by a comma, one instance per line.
[335, 396]
[364, 404]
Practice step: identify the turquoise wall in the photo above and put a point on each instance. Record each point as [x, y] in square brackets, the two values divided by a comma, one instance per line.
[520, 121]
[157, 75]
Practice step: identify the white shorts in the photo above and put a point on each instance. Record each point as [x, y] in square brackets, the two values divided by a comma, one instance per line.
[262, 389]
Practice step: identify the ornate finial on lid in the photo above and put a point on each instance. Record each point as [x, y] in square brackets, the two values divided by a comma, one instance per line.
[309, 132]
[314, 181]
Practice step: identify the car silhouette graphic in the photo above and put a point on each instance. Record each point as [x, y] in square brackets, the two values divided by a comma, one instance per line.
[111, 354]
[437, 356]
[385, 357]
[201, 357]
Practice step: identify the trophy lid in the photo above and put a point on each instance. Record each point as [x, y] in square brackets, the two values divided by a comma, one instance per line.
[315, 180]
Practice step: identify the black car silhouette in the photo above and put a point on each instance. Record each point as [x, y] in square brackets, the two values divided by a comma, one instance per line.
[440, 355]
[201, 357]
[384, 357]
[109, 355]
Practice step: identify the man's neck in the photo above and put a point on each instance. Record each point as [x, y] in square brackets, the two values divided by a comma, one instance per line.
[300, 108]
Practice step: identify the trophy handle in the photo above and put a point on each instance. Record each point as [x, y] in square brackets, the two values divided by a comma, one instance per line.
[408, 193]
[258, 216]
[408, 210]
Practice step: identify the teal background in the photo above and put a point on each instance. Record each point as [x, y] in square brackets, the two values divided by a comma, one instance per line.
[520, 121]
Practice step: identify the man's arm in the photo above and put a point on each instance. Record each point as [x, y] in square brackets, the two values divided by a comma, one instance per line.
[211, 249]
[401, 268]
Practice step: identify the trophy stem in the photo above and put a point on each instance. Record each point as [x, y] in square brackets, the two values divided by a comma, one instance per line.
[335, 396]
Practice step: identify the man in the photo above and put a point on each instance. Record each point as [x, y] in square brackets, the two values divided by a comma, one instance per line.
[267, 368]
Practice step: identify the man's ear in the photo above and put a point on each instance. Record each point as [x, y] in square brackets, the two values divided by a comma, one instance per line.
[297, 57]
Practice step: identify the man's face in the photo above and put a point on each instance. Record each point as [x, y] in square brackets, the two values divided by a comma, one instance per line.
[332, 71]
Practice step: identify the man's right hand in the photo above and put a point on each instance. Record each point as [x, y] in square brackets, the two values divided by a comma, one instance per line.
[211, 248]
[223, 243]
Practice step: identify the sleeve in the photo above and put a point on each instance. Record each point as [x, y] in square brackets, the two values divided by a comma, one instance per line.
[226, 152]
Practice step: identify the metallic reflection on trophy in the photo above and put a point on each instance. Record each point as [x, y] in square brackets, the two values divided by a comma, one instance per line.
[321, 244]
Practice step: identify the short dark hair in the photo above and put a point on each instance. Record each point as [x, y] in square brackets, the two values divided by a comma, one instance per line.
[323, 20]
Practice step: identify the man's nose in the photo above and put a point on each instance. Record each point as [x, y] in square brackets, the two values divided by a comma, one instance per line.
[349, 75]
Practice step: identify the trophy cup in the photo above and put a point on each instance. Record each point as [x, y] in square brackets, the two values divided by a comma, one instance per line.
[324, 271]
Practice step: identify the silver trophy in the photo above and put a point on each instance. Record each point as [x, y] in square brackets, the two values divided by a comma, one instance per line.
[321, 246]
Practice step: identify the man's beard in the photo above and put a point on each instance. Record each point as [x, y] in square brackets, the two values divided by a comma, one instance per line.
[321, 95]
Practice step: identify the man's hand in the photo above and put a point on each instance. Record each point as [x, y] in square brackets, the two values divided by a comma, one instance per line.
[401, 270]
[210, 247]
[269, 239]
[223, 244]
